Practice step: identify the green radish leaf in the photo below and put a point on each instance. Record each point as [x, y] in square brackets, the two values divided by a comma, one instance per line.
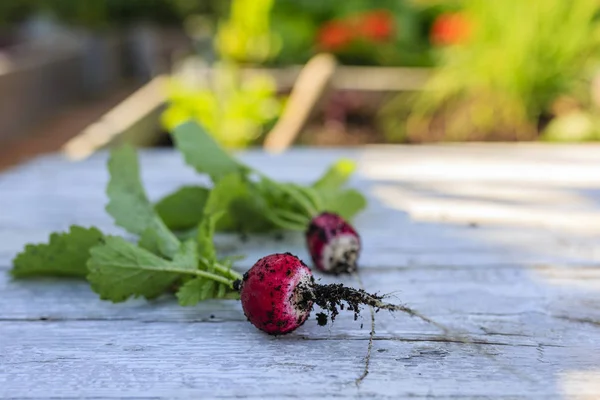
[65, 255]
[203, 153]
[187, 256]
[229, 260]
[248, 204]
[336, 176]
[242, 210]
[224, 192]
[184, 208]
[119, 269]
[207, 290]
[266, 198]
[206, 245]
[197, 290]
[221, 291]
[128, 203]
[346, 203]
[150, 240]
[248, 215]
[263, 205]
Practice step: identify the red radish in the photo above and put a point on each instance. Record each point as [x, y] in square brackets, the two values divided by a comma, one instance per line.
[333, 244]
[275, 293]
[279, 291]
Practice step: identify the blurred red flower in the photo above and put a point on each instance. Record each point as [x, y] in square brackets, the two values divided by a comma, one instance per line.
[449, 29]
[335, 35]
[376, 25]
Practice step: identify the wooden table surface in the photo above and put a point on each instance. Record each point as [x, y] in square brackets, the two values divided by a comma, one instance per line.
[499, 242]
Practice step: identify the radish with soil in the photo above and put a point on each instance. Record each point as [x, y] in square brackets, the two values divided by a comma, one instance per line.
[256, 203]
[279, 292]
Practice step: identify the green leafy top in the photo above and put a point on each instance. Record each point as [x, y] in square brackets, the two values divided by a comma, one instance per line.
[252, 201]
[128, 203]
[65, 255]
[204, 153]
[118, 269]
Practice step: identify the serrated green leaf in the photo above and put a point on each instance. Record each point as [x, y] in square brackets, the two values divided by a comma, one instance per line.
[184, 208]
[202, 152]
[150, 240]
[195, 291]
[248, 214]
[187, 256]
[224, 191]
[221, 197]
[189, 293]
[65, 255]
[265, 205]
[128, 203]
[221, 291]
[206, 245]
[119, 269]
[208, 290]
[346, 203]
[337, 175]
[243, 203]
[229, 260]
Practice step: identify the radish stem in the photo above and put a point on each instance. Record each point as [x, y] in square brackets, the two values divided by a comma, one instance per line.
[312, 196]
[287, 189]
[282, 223]
[293, 217]
[222, 269]
[301, 198]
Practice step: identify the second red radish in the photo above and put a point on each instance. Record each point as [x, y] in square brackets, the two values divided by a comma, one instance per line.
[333, 243]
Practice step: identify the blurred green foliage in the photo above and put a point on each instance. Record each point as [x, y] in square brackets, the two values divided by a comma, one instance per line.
[304, 25]
[504, 70]
[246, 36]
[503, 64]
[576, 126]
[274, 32]
[234, 110]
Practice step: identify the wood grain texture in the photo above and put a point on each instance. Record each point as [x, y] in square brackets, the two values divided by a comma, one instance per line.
[523, 286]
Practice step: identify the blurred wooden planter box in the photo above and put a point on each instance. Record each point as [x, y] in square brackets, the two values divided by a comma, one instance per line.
[137, 119]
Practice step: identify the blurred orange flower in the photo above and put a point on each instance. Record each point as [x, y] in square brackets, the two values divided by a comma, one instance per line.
[376, 25]
[449, 29]
[335, 35]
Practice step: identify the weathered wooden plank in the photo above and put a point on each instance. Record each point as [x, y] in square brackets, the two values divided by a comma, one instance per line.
[124, 359]
[511, 304]
[526, 289]
[391, 236]
[448, 246]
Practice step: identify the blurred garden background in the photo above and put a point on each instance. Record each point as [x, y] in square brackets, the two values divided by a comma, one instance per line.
[78, 75]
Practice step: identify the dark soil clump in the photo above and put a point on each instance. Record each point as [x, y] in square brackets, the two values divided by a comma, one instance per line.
[332, 298]
[322, 319]
[335, 297]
